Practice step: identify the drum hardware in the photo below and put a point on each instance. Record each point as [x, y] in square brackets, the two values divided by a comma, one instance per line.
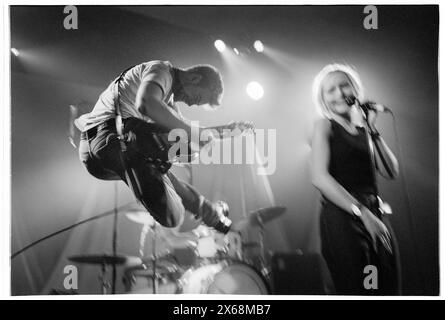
[115, 211]
[259, 218]
[148, 222]
[102, 278]
[140, 279]
[161, 239]
[233, 245]
[202, 260]
[264, 215]
[262, 253]
[167, 237]
[154, 260]
[104, 260]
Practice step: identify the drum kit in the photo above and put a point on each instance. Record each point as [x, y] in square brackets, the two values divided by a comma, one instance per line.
[200, 260]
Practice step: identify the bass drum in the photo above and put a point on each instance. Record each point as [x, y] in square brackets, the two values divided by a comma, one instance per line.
[225, 277]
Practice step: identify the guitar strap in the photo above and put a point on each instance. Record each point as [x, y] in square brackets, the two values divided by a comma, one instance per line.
[117, 106]
[129, 172]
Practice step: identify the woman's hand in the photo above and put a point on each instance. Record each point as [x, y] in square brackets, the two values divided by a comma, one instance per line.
[372, 117]
[376, 229]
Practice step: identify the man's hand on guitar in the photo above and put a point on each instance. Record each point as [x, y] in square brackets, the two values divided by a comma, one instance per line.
[241, 125]
[235, 128]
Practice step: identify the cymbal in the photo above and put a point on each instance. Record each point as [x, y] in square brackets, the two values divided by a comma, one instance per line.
[265, 215]
[141, 217]
[259, 217]
[105, 259]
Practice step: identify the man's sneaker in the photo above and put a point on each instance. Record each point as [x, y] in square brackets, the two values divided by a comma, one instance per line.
[215, 215]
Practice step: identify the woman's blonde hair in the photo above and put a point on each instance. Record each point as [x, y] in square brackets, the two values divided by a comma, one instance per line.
[317, 88]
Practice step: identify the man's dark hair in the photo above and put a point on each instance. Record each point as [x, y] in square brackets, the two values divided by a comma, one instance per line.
[211, 79]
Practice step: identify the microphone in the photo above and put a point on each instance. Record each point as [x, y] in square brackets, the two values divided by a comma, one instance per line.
[368, 105]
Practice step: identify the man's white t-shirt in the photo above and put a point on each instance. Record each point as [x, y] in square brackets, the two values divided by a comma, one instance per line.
[159, 72]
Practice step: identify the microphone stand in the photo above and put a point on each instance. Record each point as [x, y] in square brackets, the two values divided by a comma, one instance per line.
[370, 146]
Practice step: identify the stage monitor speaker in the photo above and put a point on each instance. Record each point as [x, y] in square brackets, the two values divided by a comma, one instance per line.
[300, 274]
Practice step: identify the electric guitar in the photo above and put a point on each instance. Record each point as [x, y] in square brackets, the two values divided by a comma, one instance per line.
[158, 155]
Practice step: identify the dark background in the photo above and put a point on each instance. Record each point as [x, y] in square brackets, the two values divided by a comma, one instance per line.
[398, 64]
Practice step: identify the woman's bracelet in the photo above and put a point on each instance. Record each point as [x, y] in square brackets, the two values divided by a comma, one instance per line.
[356, 209]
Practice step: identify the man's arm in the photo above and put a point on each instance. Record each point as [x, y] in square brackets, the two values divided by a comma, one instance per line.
[149, 102]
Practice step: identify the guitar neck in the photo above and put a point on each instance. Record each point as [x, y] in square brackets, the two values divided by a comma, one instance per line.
[225, 132]
[220, 130]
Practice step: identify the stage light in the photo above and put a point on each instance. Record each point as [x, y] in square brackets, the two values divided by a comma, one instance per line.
[255, 90]
[236, 51]
[258, 45]
[220, 45]
[15, 52]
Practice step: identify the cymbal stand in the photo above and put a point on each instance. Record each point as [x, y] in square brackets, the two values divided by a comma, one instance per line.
[153, 257]
[263, 265]
[103, 279]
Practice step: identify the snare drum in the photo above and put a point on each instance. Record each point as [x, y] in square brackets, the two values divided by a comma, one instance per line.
[139, 280]
[225, 277]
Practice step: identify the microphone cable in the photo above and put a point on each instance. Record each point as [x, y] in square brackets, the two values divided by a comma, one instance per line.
[408, 202]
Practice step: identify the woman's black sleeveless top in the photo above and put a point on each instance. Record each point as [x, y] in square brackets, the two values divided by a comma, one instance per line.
[350, 163]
